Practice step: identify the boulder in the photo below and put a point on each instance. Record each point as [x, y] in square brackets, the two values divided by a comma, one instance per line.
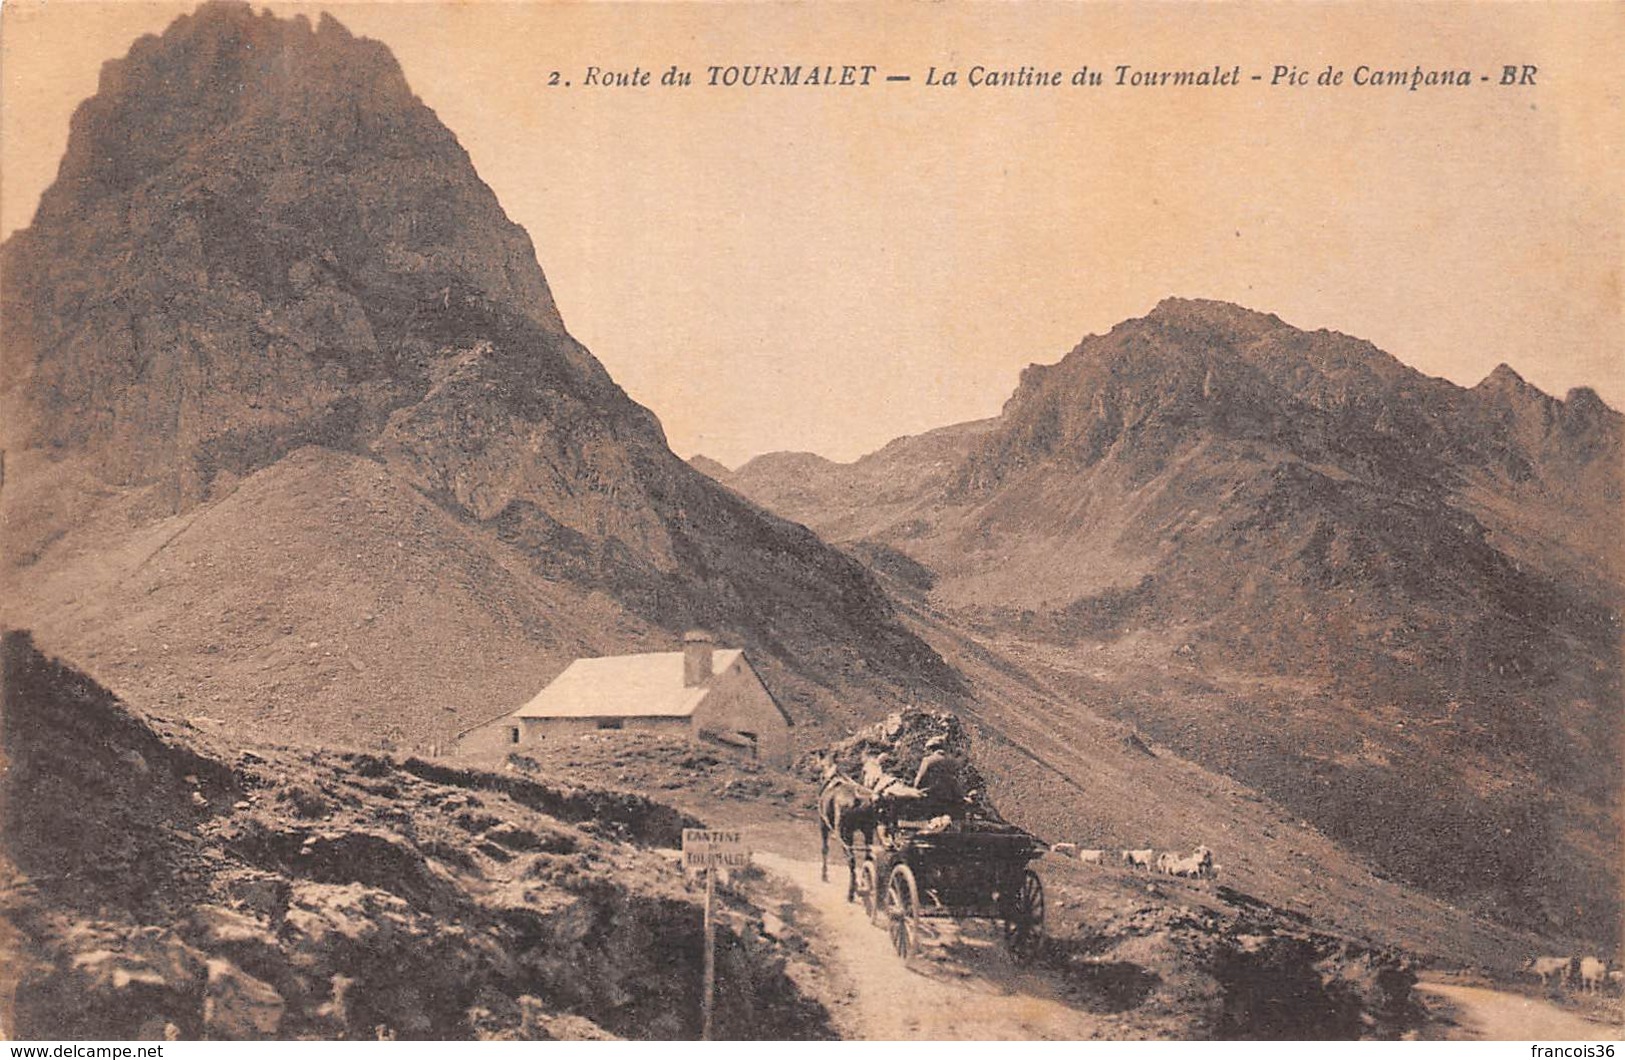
[238, 1007]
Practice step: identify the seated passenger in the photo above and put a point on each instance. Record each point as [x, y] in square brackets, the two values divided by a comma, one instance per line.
[895, 798]
[939, 780]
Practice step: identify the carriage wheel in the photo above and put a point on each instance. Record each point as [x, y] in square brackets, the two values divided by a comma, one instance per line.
[1024, 918]
[903, 911]
[869, 888]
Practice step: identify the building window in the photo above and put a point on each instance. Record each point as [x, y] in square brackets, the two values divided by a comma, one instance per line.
[513, 734]
[609, 723]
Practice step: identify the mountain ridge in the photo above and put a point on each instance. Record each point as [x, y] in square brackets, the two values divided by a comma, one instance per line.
[1294, 559]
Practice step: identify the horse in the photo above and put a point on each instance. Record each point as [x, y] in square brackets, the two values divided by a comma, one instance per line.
[846, 808]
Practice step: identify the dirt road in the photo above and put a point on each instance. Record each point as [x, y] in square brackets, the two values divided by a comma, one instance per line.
[964, 985]
[1491, 1015]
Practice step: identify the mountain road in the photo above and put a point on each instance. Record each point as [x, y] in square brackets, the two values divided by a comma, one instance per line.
[963, 986]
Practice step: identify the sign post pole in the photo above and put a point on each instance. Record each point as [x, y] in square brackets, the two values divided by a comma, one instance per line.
[711, 849]
[709, 989]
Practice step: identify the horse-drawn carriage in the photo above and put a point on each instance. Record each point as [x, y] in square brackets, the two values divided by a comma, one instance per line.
[959, 866]
[971, 869]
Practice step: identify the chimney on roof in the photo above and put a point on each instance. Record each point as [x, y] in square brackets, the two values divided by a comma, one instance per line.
[696, 658]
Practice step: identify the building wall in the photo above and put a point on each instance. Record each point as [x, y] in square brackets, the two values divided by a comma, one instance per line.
[487, 738]
[553, 728]
[497, 735]
[740, 703]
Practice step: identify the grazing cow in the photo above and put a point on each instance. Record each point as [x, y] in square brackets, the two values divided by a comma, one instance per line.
[1593, 970]
[1548, 968]
[1091, 857]
[1138, 859]
[846, 808]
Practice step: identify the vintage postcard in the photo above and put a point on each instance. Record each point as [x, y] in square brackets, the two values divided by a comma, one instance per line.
[793, 521]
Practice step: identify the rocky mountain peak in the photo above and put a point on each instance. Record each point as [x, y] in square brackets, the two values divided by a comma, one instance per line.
[176, 92]
[1212, 315]
[1504, 391]
[1582, 400]
[1589, 427]
[1503, 378]
[1577, 428]
[1193, 368]
[264, 205]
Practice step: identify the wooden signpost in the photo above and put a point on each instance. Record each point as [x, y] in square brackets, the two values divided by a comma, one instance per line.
[711, 849]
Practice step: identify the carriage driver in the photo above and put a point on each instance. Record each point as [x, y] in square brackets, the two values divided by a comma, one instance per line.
[939, 780]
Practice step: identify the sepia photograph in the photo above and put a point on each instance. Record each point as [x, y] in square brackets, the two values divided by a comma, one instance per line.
[538, 520]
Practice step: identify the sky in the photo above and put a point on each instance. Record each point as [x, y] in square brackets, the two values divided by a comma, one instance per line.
[827, 268]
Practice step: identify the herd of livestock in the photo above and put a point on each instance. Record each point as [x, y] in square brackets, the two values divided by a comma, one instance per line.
[1590, 975]
[1198, 864]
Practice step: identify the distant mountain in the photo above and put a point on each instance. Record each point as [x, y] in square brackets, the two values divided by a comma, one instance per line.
[708, 467]
[259, 242]
[1391, 602]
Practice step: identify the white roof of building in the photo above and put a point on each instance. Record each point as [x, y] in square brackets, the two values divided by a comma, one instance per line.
[625, 686]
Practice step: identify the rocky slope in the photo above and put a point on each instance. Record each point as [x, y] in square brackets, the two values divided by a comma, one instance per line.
[260, 241]
[157, 883]
[1390, 602]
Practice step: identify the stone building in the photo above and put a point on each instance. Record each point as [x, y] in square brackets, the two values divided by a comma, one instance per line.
[702, 692]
